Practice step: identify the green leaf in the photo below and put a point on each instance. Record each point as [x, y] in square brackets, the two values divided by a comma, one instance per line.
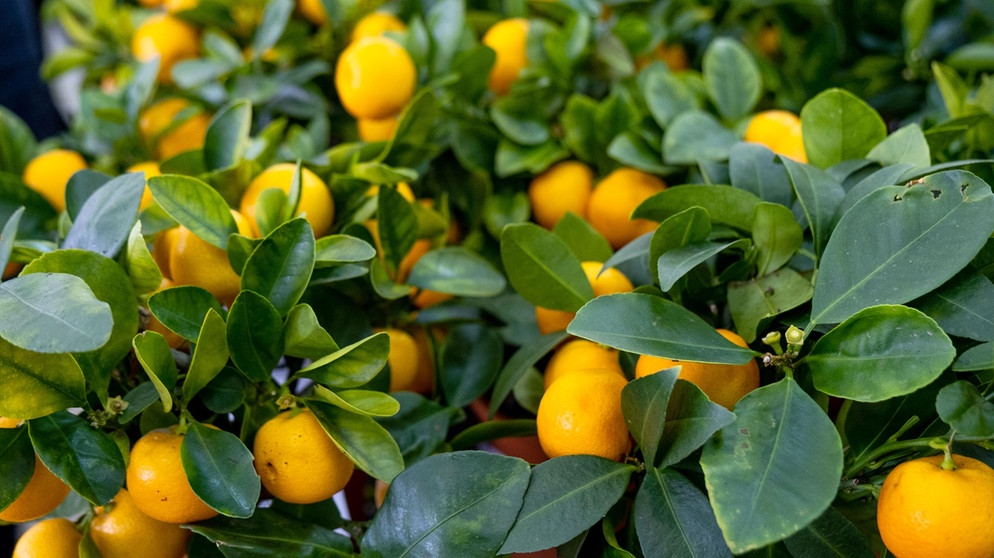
[751, 302]
[183, 309]
[962, 407]
[364, 441]
[887, 176]
[7, 235]
[585, 242]
[891, 417]
[53, 313]
[457, 271]
[470, 361]
[350, 366]
[470, 502]
[210, 355]
[196, 206]
[228, 136]
[666, 95]
[644, 402]
[491, 430]
[905, 145]
[271, 533]
[878, 353]
[521, 126]
[566, 496]
[832, 534]
[341, 248]
[972, 57]
[17, 142]
[676, 263]
[280, 267]
[819, 196]
[17, 463]
[690, 226]
[86, 459]
[542, 268]
[220, 470]
[651, 325]
[754, 168]
[674, 518]
[691, 419]
[922, 220]
[518, 364]
[37, 384]
[420, 427]
[776, 235]
[512, 158]
[696, 136]
[398, 226]
[360, 401]
[839, 126]
[152, 352]
[963, 306]
[254, 335]
[105, 220]
[980, 357]
[731, 77]
[304, 336]
[633, 150]
[139, 264]
[272, 25]
[779, 430]
[724, 204]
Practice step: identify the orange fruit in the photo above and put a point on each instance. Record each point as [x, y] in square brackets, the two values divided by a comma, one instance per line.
[194, 261]
[674, 55]
[6, 422]
[297, 460]
[563, 187]
[173, 6]
[724, 384]
[404, 359]
[49, 172]
[44, 493]
[581, 414]
[49, 538]
[12, 269]
[424, 377]
[925, 510]
[313, 11]
[420, 247]
[166, 138]
[779, 130]
[316, 204]
[150, 168]
[375, 77]
[580, 354]
[426, 298]
[375, 24]
[382, 129]
[121, 530]
[162, 246]
[157, 483]
[611, 281]
[614, 198]
[167, 38]
[403, 188]
[509, 39]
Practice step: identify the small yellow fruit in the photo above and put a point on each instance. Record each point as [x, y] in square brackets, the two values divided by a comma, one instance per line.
[313, 11]
[150, 168]
[157, 482]
[44, 493]
[49, 538]
[377, 129]
[611, 281]
[121, 530]
[779, 130]
[580, 354]
[376, 24]
[613, 200]
[185, 136]
[509, 39]
[167, 38]
[49, 172]
[563, 187]
[404, 359]
[375, 77]
[581, 414]
[316, 204]
[194, 261]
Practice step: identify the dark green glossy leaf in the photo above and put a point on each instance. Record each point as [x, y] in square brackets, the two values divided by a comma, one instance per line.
[887, 176]
[420, 427]
[254, 335]
[691, 419]
[776, 235]
[754, 168]
[731, 77]
[105, 220]
[644, 402]
[195, 205]
[183, 309]
[17, 463]
[53, 313]
[980, 357]
[963, 306]
[17, 142]
[832, 534]
[632, 150]
[674, 264]
[518, 364]
[962, 407]
[366, 443]
[271, 533]
[470, 361]
[819, 196]
[280, 267]
[142, 397]
[209, 355]
[80, 187]
[690, 226]
[674, 518]
[542, 268]
[905, 145]
[9, 231]
[582, 238]
[666, 95]
[220, 470]
[37, 384]
[458, 271]
[753, 301]
[350, 366]
[152, 352]
[512, 158]
[724, 204]
[228, 135]
[695, 136]
[398, 226]
[492, 430]
[839, 126]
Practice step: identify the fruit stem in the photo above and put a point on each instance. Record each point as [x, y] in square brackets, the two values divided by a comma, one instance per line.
[947, 462]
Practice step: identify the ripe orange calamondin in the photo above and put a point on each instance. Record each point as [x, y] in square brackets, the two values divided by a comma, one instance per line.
[614, 199]
[49, 172]
[316, 204]
[375, 77]
[581, 413]
[157, 483]
[167, 38]
[779, 130]
[509, 39]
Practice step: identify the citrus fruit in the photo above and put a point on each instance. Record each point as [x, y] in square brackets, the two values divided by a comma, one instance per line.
[580, 354]
[297, 460]
[614, 198]
[316, 204]
[167, 137]
[150, 168]
[43, 493]
[509, 39]
[611, 281]
[724, 384]
[382, 129]
[6, 422]
[563, 187]
[194, 261]
[779, 130]
[162, 246]
[313, 11]
[157, 483]
[167, 38]
[49, 538]
[420, 247]
[49, 172]
[121, 530]
[671, 54]
[925, 510]
[424, 377]
[404, 359]
[375, 24]
[581, 414]
[173, 6]
[375, 77]
[403, 188]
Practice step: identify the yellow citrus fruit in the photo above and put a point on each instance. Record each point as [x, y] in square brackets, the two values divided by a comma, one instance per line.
[43, 493]
[49, 538]
[162, 246]
[121, 530]
[313, 11]
[403, 188]
[424, 377]
[167, 38]
[150, 168]
[153, 324]
[49, 172]
[581, 414]
[404, 359]
[297, 460]
[381, 129]
[173, 6]
[375, 77]
[509, 39]
[420, 247]
[184, 136]
[779, 130]
[613, 200]
[376, 24]
[6, 422]
[724, 384]
[563, 187]
[925, 510]
[194, 261]
[580, 354]
[611, 281]
[157, 482]
[316, 204]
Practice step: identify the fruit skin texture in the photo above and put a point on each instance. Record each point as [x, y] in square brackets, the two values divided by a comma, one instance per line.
[297, 460]
[157, 483]
[376, 24]
[121, 530]
[926, 511]
[185, 136]
[49, 172]
[44, 493]
[316, 204]
[563, 187]
[49, 538]
[168, 38]
[509, 39]
[193, 261]
[580, 354]
[581, 414]
[724, 384]
[610, 282]
[404, 359]
[613, 200]
[375, 77]
[381, 129]
[779, 130]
